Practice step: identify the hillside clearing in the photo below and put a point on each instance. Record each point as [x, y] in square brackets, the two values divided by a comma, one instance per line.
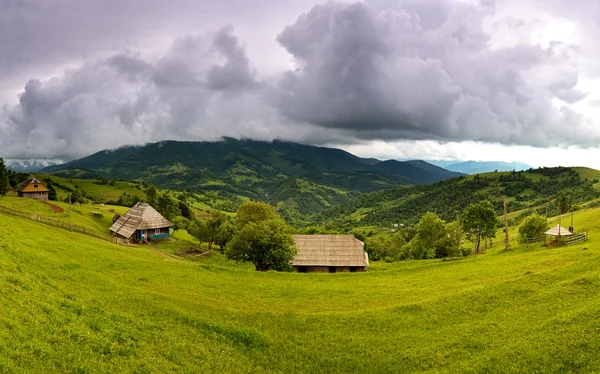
[73, 303]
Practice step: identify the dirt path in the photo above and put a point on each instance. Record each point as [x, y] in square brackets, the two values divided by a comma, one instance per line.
[55, 208]
[155, 248]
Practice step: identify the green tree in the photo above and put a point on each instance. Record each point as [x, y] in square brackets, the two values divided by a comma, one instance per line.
[198, 230]
[532, 227]
[431, 230]
[479, 222]
[564, 204]
[4, 183]
[186, 211]
[152, 196]
[213, 224]
[180, 223]
[255, 212]
[224, 235]
[51, 192]
[167, 206]
[261, 237]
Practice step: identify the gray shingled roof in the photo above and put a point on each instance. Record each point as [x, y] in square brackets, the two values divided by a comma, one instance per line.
[141, 217]
[329, 250]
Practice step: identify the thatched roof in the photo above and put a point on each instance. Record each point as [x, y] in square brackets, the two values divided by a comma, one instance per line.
[329, 250]
[34, 181]
[141, 217]
[555, 231]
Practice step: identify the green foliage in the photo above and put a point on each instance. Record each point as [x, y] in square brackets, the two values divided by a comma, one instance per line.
[51, 192]
[261, 237]
[430, 237]
[152, 196]
[186, 211]
[564, 204]
[532, 227]
[167, 206]
[127, 200]
[389, 247]
[199, 231]
[224, 235]
[213, 224]
[4, 181]
[180, 223]
[255, 212]
[479, 222]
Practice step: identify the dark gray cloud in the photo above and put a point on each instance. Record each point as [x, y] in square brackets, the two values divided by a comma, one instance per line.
[425, 70]
[372, 70]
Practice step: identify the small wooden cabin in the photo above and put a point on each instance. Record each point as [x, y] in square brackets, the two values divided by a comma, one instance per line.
[33, 189]
[329, 254]
[141, 222]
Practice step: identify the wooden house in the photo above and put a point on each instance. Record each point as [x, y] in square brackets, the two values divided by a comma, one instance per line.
[33, 189]
[329, 254]
[141, 222]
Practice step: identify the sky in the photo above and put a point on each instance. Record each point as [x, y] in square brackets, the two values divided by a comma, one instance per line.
[489, 80]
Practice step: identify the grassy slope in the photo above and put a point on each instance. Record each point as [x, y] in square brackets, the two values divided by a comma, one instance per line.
[70, 303]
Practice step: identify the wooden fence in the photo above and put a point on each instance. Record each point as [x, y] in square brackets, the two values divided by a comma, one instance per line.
[64, 225]
[577, 238]
[537, 239]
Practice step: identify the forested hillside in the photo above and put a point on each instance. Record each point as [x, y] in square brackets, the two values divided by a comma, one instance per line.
[301, 180]
[534, 190]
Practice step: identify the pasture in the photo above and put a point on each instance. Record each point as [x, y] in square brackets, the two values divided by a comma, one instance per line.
[71, 303]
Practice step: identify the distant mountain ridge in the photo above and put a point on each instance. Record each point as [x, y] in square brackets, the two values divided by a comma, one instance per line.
[306, 179]
[29, 166]
[476, 167]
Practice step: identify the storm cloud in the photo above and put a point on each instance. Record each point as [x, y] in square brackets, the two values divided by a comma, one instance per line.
[353, 72]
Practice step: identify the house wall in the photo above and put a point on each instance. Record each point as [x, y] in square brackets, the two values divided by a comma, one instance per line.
[154, 234]
[34, 195]
[332, 269]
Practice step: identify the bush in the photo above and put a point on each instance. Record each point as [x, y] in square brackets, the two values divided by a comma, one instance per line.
[533, 226]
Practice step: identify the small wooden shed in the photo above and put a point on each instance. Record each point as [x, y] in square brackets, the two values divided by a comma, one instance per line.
[329, 254]
[558, 231]
[33, 189]
[141, 222]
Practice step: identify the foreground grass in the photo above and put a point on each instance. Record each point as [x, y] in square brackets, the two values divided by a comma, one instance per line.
[70, 303]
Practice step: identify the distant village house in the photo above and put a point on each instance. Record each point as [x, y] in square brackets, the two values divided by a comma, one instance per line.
[33, 189]
[329, 254]
[142, 222]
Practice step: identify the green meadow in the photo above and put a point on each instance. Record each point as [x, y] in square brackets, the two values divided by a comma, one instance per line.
[74, 304]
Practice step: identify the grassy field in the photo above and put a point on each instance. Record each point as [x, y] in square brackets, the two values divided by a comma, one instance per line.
[71, 303]
[92, 216]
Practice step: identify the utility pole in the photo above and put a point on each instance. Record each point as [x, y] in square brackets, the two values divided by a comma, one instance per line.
[70, 223]
[506, 241]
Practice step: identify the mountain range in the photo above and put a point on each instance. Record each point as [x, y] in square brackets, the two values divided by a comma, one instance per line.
[299, 179]
[477, 167]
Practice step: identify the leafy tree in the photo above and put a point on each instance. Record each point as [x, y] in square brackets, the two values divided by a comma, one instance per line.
[431, 230]
[224, 235]
[455, 234]
[167, 206]
[128, 200]
[4, 183]
[180, 223]
[51, 192]
[479, 222]
[198, 230]
[213, 224]
[564, 204]
[255, 212]
[186, 211]
[262, 238]
[532, 227]
[152, 196]
[389, 247]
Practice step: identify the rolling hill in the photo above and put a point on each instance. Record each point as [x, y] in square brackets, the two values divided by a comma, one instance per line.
[533, 190]
[300, 179]
[72, 303]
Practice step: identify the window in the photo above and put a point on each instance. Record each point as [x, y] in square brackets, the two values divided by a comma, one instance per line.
[35, 186]
[156, 231]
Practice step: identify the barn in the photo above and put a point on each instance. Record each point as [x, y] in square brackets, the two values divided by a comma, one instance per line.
[329, 254]
[141, 222]
[33, 189]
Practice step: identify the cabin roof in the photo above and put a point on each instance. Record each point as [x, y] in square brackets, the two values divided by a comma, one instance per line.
[27, 186]
[329, 250]
[558, 230]
[140, 217]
